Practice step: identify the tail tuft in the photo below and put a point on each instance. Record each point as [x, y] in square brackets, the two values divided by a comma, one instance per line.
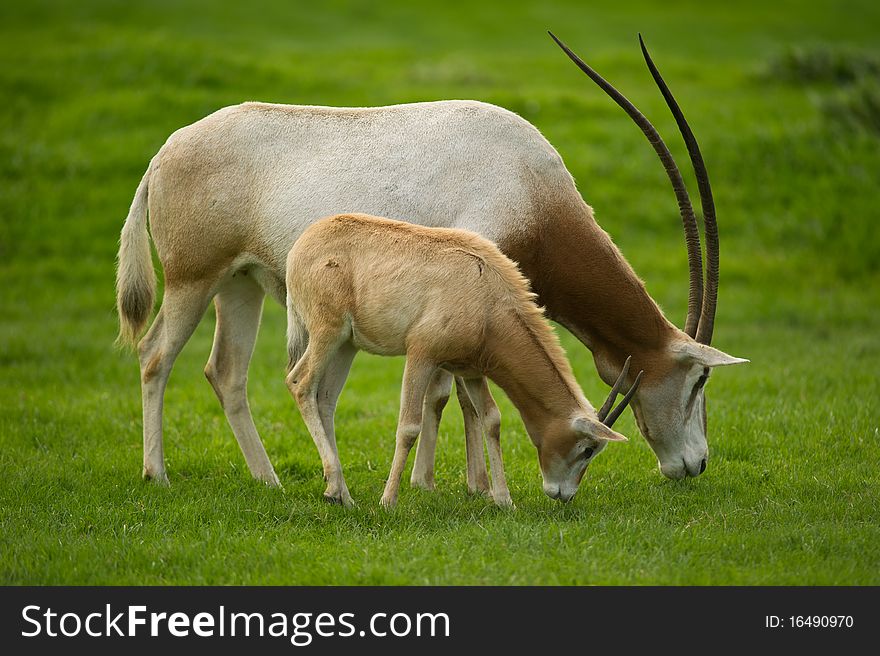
[135, 277]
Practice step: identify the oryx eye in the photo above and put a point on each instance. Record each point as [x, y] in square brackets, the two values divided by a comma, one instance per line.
[698, 386]
[589, 451]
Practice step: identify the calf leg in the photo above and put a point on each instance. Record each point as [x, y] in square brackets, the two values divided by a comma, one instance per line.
[304, 382]
[477, 477]
[416, 378]
[490, 418]
[328, 394]
[239, 304]
[435, 400]
[182, 309]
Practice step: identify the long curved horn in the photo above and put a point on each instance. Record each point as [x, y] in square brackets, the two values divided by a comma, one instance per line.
[691, 231]
[710, 226]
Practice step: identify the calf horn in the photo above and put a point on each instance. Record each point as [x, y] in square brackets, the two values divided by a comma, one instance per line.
[691, 231]
[603, 414]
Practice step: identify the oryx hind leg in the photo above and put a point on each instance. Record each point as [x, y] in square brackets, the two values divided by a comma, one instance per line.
[182, 309]
[435, 400]
[477, 476]
[490, 421]
[239, 305]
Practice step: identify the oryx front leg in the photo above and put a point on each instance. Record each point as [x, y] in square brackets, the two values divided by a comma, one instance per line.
[490, 419]
[435, 400]
[416, 378]
[181, 311]
[477, 477]
[305, 382]
[239, 305]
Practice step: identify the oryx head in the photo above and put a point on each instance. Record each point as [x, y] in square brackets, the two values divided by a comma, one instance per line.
[670, 406]
[570, 446]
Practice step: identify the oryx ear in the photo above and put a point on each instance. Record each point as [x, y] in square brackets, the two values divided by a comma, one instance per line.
[704, 355]
[596, 429]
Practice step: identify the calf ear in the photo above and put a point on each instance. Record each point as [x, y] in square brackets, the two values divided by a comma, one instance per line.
[596, 429]
[704, 355]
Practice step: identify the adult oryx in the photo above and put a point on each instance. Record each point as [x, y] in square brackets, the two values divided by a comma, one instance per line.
[228, 195]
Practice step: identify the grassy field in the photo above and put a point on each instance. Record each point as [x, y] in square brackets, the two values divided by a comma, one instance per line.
[785, 99]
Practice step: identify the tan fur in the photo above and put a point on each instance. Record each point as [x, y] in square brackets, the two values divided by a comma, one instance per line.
[445, 298]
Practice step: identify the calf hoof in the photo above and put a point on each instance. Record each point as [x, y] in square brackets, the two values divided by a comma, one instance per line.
[388, 502]
[344, 499]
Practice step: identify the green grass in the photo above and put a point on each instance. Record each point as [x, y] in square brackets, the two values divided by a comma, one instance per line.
[91, 90]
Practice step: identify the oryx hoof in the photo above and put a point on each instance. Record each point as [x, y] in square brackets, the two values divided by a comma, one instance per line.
[423, 483]
[479, 491]
[270, 479]
[156, 478]
[504, 501]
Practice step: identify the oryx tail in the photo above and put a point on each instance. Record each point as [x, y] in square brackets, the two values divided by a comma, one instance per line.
[135, 276]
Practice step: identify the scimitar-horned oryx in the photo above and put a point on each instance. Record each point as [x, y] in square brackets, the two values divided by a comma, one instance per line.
[228, 195]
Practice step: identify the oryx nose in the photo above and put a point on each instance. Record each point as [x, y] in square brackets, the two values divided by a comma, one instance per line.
[552, 491]
[556, 492]
[693, 468]
[564, 497]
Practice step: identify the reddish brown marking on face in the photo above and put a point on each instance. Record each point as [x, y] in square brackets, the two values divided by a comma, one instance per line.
[558, 441]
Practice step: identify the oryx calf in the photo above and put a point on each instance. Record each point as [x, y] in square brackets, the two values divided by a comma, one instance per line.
[445, 298]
